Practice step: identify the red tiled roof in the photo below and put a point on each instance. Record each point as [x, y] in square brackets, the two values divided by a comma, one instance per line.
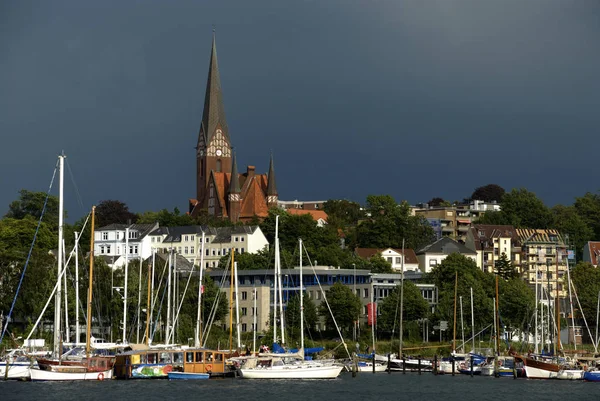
[254, 200]
[594, 251]
[316, 214]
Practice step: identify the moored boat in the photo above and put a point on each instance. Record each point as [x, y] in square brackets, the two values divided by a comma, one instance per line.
[187, 376]
[539, 369]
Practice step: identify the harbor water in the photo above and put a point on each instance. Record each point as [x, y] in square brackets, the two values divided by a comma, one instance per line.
[366, 386]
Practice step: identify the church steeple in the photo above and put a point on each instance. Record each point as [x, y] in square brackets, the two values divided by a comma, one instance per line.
[272, 195]
[234, 184]
[213, 116]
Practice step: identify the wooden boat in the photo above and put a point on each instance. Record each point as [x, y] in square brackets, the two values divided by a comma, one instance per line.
[157, 363]
[538, 369]
[187, 376]
[93, 368]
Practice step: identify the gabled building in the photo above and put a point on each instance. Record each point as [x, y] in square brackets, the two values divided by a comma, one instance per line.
[393, 255]
[319, 216]
[115, 242]
[491, 242]
[433, 254]
[218, 242]
[591, 252]
[220, 190]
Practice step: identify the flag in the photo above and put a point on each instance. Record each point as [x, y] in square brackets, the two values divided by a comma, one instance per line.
[372, 313]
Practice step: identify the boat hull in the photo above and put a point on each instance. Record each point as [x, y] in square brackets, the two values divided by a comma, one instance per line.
[593, 376]
[292, 372]
[16, 370]
[532, 372]
[188, 376]
[48, 375]
[570, 374]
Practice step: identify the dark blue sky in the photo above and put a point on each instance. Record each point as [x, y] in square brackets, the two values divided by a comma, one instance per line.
[415, 99]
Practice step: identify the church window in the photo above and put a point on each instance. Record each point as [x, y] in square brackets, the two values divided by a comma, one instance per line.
[219, 166]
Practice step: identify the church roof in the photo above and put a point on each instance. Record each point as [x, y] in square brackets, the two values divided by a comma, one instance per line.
[213, 115]
[271, 186]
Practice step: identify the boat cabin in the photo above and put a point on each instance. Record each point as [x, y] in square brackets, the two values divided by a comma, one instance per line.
[157, 363]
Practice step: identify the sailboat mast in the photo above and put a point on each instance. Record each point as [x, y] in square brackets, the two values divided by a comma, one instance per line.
[147, 332]
[301, 301]
[497, 318]
[168, 326]
[197, 341]
[472, 321]
[67, 336]
[557, 307]
[535, 324]
[401, 303]
[237, 307]
[455, 296]
[275, 280]
[280, 288]
[77, 333]
[57, 299]
[254, 325]
[462, 324]
[124, 338]
[151, 312]
[139, 305]
[89, 305]
[231, 294]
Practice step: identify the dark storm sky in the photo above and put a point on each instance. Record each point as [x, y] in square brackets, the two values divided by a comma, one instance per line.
[410, 98]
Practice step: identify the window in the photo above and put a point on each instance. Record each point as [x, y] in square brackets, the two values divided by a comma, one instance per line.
[107, 248]
[152, 240]
[244, 295]
[130, 249]
[244, 327]
[199, 356]
[185, 250]
[242, 250]
[104, 235]
[235, 239]
[189, 357]
[390, 260]
[118, 235]
[366, 293]
[207, 239]
[214, 252]
[432, 263]
[207, 252]
[244, 312]
[118, 250]
[242, 239]
[101, 249]
[253, 311]
[133, 234]
[398, 260]
[192, 249]
[317, 295]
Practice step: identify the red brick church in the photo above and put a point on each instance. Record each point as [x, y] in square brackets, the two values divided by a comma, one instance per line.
[221, 191]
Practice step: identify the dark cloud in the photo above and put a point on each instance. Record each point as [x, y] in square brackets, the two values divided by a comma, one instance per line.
[415, 99]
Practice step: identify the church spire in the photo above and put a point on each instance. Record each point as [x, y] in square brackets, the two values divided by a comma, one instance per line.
[213, 116]
[271, 186]
[234, 184]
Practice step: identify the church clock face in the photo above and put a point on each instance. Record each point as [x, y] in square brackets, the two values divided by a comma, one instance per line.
[219, 152]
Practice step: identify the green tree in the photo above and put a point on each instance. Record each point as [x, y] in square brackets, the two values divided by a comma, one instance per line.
[292, 314]
[504, 268]
[380, 265]
[588, 208]
[31, 204]
[113, 212]
[586, 280]
[165, 218]
[524, 209]
[345, 307]
[488, 193]
[516, 302]
[414, 307]
[569, 222]
[342, 213]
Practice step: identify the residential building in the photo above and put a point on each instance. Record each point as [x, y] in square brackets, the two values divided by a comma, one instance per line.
[220, 190]
[393, 255]
[218, 241]
[544, 259]
[433, 254]
[454, 221]
[369, 287]
[491, 242]
[304, 205]
[591, 252]
[115, 242]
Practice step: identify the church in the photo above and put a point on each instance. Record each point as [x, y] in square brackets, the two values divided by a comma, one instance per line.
[221, 191]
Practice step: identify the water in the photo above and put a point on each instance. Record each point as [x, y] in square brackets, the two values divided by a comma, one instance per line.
[366, 386]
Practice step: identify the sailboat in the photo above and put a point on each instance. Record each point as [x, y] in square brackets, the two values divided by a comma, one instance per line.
[286, 366]
[91, 367]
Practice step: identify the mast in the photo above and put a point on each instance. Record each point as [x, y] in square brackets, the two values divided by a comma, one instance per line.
[280, 288]
[455, 293]
[557, 307]
[275, 281]
[168, 326]
[535, 324]
[139, 305]
[151, 311]
[147, 332]
[254, 325]
[57, 299]
[301, 301]
[472, 321]
[77, 333]
[67, 337]
[237, 307]
[198, 340]
[125, 286]
[497, 319]
[401, 303]
[462, 324]
[231, 295]
[88, 330]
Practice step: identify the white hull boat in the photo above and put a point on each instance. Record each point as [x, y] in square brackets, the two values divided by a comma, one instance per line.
[16, 370]
[48, 375]
[537, 373]
[299, 371]
[570, 374]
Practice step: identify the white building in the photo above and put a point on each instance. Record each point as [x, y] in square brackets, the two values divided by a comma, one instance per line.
[433, 254]
[393, 256]
[187, 241]
[116, 241]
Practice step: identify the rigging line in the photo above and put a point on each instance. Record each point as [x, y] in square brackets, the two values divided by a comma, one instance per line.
[12, 306]
[183, 296]
[53, 292]
[75, 185]
[213, 311]
[158, 314]
[327, 303]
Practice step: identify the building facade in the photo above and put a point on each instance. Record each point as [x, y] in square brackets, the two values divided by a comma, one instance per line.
[433, 254]
[393, 256]
[491, 242]
[116, 242]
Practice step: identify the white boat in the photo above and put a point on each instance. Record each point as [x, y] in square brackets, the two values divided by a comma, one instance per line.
[17, 370]
[570, 374]
[278, 368]
[538, 369]
[70, 374]
[368, 367]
